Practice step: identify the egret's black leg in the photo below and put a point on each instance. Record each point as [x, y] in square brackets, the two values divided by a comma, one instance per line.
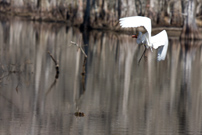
[142, 54]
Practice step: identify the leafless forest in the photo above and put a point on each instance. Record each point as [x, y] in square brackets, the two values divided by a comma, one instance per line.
[104, 14]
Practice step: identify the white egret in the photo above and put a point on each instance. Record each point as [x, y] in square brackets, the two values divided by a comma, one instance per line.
[158, 41]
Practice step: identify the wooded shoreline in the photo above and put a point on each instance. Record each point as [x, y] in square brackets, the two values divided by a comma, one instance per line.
[105, 14]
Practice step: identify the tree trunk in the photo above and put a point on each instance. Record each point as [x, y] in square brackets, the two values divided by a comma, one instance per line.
[152, 12]
[53, 3]
[18, 3]
[128, 8]
[43, 5]
[38, 5]
[139, 7]
[190, 29]
[86, 19]
[79, 14]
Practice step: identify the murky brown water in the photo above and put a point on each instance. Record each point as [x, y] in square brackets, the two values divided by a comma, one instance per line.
[115, 95]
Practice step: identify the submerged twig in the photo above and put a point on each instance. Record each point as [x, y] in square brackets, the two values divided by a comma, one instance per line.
[53, 84]
[57, 73]
[83, 74]
[17, 88]
[82, 91]
[79, 46]
[56, 65]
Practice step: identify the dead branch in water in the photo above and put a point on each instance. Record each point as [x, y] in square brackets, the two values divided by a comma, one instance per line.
[83, 74]
[79, 46]
[56, 65]
[17, 88]
[50, 88]
[57, 73]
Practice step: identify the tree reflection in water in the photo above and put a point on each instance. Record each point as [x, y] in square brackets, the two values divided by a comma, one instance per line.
[116, 95]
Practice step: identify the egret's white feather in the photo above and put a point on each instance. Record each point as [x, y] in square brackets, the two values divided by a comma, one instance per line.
[162, 51]
[136, 21]
[160, 39]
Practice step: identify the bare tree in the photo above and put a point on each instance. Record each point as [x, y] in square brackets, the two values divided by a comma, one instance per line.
[43, 5]
[190, 29]
[18, 3]
[128, 8]
[86, 19]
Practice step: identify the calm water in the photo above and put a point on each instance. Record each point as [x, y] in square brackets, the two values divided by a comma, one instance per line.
[109, 94]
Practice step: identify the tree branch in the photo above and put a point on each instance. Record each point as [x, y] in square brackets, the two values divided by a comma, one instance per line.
[56, 65]
[79, 48]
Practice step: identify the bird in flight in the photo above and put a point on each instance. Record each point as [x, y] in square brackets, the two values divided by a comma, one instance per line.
[159, 40]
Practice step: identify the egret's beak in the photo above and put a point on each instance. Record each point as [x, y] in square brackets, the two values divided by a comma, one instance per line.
[134, 36]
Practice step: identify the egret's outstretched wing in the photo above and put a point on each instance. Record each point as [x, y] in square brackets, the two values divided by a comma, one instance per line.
[136, 21]
[160, 41]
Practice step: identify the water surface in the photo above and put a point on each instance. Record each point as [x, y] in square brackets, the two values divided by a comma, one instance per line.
[108, 94]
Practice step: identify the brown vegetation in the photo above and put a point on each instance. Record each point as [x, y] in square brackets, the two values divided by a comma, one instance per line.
[104, 14]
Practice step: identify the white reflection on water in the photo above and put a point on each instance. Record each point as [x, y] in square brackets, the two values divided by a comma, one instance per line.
[120, 96]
